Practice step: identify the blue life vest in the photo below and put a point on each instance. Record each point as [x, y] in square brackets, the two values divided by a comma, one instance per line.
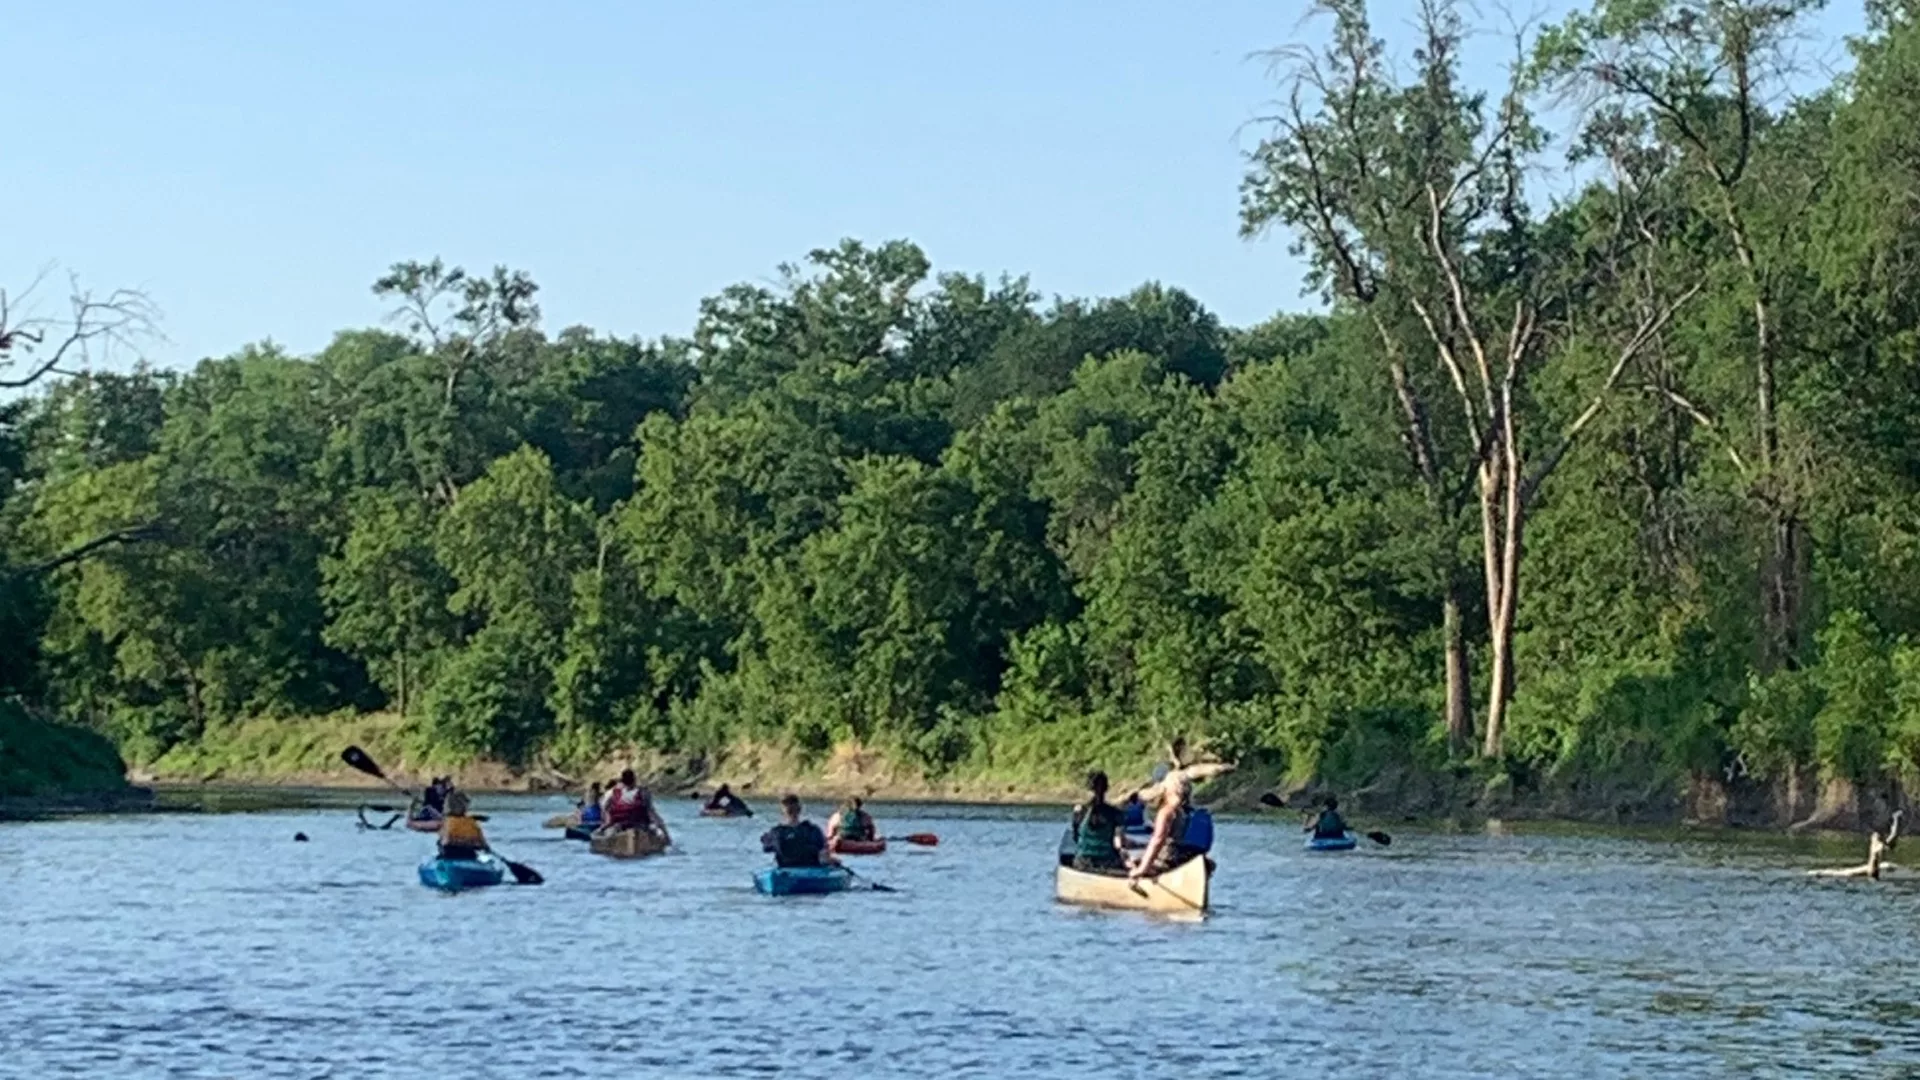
[1136, 815]
[590, 814]
[1199, 836]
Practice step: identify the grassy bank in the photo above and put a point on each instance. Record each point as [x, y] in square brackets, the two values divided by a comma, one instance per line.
[41, 760]
[305, 752]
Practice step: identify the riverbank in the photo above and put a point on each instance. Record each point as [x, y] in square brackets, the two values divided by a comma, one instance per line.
[305, 753]
[43, 760]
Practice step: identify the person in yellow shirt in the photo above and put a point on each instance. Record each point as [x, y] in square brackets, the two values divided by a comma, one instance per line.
[460, 835]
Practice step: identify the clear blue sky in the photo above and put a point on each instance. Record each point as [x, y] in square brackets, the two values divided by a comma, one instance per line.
[255, 165]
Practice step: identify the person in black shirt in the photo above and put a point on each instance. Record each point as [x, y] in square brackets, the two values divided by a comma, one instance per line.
[795, 842]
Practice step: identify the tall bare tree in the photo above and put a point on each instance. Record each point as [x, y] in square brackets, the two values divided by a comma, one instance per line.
[1409, 196]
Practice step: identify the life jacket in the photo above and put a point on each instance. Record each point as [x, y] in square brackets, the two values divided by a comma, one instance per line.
[1329, 825]
[856, 826]
[629, 808]
[1136, 815]
[1094, 837]
[589, 814]
[461, 832]
[1199, 835]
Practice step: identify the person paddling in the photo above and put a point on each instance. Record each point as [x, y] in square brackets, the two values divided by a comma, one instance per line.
[628, 805]
[1097, 826]
[460, 835]
[1329, 825]
[589, 809]
[796, 842]
[850, 822]
[1165, 849]
[433, 800]
[724, 801]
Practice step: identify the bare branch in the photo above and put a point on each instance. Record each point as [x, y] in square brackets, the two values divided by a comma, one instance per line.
[93, 330]
[136, 534]
[1647, 331]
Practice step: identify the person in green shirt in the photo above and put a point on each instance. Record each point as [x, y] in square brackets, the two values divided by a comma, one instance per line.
[1096, 830]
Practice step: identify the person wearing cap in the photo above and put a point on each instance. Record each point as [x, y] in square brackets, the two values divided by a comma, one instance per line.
[1169, 827]
[795, 841]
[460, 835]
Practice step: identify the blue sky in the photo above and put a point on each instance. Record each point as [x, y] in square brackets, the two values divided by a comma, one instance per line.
[255, 166]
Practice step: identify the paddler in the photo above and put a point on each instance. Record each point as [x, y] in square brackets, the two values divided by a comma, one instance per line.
[628, 805]
[1164, 850]
[1329, 825]
[726, 802]
[589, 809]
[850, 822]
[796, 842]
[433, 800]
[1097, 826]
[460, 835]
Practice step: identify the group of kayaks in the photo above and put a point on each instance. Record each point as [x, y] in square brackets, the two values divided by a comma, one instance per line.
[1182, 888]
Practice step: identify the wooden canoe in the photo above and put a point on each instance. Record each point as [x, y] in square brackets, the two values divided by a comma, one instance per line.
[627, 844]
[1182, 889]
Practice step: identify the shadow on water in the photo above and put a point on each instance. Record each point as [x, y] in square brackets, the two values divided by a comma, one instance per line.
[211, 945]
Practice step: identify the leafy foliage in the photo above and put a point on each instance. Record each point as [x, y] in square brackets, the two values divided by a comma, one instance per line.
[932, 516]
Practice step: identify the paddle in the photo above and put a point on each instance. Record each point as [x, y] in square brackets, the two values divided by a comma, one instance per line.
[1140, 890]
[869, 882]
[358, 759]
[1278, 803]
[401, 810]
[923, 839]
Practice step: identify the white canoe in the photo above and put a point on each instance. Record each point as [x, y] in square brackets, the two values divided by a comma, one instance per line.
[1181, 889]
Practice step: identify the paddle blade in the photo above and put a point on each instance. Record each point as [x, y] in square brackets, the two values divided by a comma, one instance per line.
[358, 759]
[524, 874]
[923, 839]
[1275, 801]
[1380, 838]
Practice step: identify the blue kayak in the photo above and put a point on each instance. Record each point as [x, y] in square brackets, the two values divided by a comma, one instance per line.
[795, 880]
[454, 875]
[1343, 842]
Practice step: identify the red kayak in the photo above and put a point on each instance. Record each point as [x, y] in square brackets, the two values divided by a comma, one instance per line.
[424, 824]
[857, 847]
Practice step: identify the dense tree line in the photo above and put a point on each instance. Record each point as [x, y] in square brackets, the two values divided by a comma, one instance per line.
[1605, 490]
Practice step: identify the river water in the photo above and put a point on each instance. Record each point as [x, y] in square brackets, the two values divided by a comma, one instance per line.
[211, 945]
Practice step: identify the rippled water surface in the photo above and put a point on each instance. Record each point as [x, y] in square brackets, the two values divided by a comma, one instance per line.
[210, 945]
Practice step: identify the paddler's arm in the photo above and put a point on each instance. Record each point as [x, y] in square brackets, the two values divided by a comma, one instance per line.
[1205, 770]
[1161, 826]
